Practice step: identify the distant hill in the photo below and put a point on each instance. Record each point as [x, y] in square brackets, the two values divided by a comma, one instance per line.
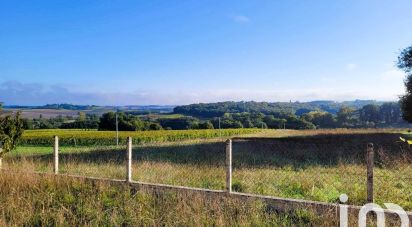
[54, 107]
[203, 110]
[65, 106]
[54, 110]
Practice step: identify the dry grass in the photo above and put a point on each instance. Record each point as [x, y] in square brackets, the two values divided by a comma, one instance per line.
[314, 165]
[32, 200]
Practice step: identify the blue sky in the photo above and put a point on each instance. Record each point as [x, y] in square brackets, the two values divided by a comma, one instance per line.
[178, 52]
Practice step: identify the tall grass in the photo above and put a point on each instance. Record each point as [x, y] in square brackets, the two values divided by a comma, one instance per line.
[31, 200]
[317, 167]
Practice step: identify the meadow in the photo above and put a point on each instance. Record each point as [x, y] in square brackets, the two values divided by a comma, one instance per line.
[310, 164]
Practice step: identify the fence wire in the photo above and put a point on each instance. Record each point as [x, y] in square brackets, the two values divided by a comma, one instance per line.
[318, 168]
[321, 168]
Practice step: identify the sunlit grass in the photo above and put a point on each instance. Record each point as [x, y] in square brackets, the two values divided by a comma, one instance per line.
[32, 200]
[311, 168]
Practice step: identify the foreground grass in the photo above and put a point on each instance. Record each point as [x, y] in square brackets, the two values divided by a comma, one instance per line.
[315, 183]
[318, 166]
[32, 200]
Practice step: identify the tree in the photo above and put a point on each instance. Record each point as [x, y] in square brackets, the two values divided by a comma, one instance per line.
[11, 130]
[273, 122]
[155, 126]
[180, 123]
[320, 118]
[370, 113]
[345, 117]
[405, 63]
[405, 59]
[206, 125]
[125, 122]
[293, 122]
[390, 112]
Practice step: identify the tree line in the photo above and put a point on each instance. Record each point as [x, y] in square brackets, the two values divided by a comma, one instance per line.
[368, 116]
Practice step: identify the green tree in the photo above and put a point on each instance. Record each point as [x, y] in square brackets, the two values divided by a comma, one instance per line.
[273, 122]
[293, 122]
[11, 130]
[28, 123]
[155, 126]
[126, 122]
[370, 113]
[405, 63]
[320, 119]
[206, 125]
[390, 112]
[345, 117]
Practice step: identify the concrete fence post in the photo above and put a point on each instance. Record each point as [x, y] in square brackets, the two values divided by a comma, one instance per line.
[370, 164]
[229, 165]
[56, 155]
[129, 159]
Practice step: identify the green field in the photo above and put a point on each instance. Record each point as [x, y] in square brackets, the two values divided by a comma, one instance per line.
[314, 165]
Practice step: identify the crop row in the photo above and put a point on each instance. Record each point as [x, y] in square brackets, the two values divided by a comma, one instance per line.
[87, 138]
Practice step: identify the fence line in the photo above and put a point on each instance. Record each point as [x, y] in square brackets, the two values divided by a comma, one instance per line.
[275, 203]
[228, 164]
[284, 205]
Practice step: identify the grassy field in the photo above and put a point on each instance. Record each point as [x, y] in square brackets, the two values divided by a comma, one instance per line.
[315, 164]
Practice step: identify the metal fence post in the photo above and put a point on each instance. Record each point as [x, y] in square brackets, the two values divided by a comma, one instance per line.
[370, 164]
[229, 165]
[129, 159]
[56, 155]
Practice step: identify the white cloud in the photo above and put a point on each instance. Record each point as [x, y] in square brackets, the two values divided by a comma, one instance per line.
[240, 18]
[351, 66]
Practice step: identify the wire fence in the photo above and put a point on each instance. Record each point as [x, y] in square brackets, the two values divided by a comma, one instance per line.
[318, 168]
[321, 168]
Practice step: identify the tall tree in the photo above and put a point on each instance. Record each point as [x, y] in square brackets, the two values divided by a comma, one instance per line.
[390, 112]
[405, 63]
[345, 117]
[369, 113]
[320, 118]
